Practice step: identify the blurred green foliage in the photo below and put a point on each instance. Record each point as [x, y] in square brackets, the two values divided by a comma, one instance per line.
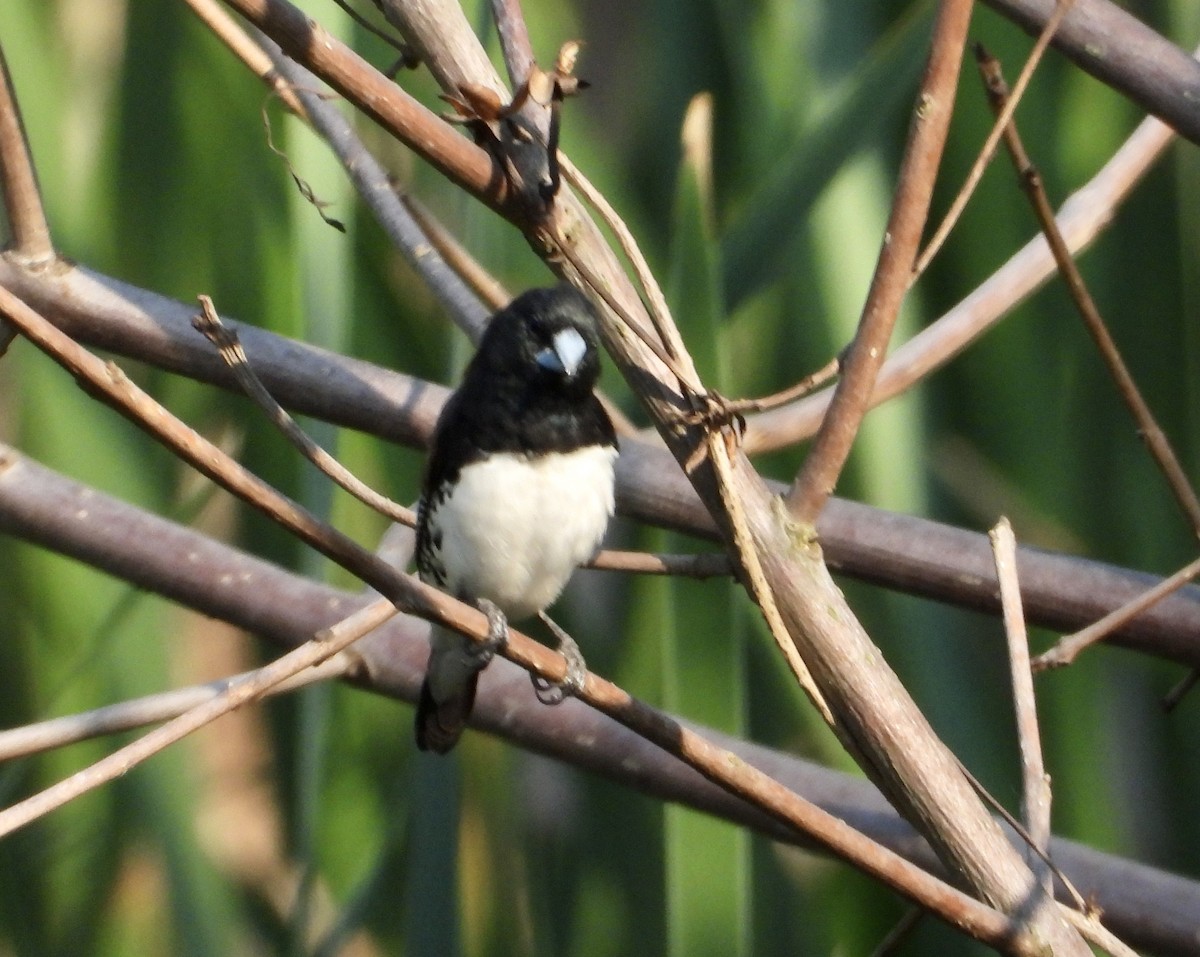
[317, 829]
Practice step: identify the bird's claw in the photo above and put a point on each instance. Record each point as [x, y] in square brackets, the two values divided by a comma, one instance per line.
[497, 637]
[556, 692]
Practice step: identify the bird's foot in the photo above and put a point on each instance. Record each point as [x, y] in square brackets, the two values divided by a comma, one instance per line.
[482, 652]
[556, 692]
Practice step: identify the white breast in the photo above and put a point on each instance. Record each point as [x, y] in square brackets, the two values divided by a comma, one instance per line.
[516, 528]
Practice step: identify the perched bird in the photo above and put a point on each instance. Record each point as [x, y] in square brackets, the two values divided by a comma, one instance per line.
[518, 491]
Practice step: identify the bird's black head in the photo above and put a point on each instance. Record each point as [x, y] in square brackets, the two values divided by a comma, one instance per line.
[545, 337]
[528, 388]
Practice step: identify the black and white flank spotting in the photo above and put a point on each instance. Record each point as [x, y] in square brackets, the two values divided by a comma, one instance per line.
[518, 490]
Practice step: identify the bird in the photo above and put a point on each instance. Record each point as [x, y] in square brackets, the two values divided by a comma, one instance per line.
[517, 492]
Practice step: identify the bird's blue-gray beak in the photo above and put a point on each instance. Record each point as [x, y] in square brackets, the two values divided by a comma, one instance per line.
[565, 352]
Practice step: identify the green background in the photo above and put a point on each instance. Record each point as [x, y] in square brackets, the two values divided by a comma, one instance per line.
[310, 825]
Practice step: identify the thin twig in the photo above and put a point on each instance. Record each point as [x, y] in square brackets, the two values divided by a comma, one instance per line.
[656, 302]
[1172, 698]
[139, 712]
[412, 123]
[1084, 215]
[758, 585]
[1068, 648]
[18, 180]
[486, 287]
[375, 187]
[814, 380]
[703, 565]
[1154, 437]
[735, 409]
[324, 645]
[295, 86]
[1035, 791]
[988, 151]
[1019, 829]
[408, 56]
[1123, 52]
[910, 206]
[1095, 933]
[230, 348]
[688, 381]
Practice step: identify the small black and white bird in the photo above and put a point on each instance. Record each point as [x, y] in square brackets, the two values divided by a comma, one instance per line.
[518, 490]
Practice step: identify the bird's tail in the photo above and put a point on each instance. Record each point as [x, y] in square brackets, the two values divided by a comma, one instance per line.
[448, 694]
[440, 724]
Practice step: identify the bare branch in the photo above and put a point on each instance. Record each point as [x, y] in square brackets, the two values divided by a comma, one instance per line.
[1035, 792]
[226, 341]
[445, 43]
[899, 933]
[438, 30]
[138, 712]
[374, 185]
[715, 763]
[1177, 693]
[1085, 214]
[910, 206]
[1118, 49]
[1148, 427]
[487, 288]
[420, 129]
[705, 565]
[240, 691]
[660, 314]
[408, 56]
[514, 40]
[819, 616]
[987, 152]
[18, 181]
[226, 29]
[1068, 649]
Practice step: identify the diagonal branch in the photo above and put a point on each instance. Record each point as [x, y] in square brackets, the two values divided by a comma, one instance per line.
[149, 709]
[1031, 180]
[306, 41]
[1119, 50]
[241, 690]
[514, 40]
[910, 207]
[917, 771]
[209, 324]
[1084, 215]
[987, 152]
[1069, 647]
[30, 238]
